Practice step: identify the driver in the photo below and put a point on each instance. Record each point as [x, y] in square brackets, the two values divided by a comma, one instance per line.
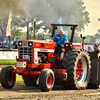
[60, 40]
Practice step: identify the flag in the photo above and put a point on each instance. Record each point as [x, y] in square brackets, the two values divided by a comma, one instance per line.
[8, 30]
[0, 33]
[60, 22]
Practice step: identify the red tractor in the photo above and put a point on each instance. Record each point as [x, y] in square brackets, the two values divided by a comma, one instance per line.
[38, 65]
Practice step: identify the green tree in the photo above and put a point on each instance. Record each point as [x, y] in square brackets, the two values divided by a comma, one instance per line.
[30, 36]
[72, 12]
[17, 32]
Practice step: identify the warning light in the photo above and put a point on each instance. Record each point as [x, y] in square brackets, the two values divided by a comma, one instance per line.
[75, 28]
[52, 27]
[81, 35]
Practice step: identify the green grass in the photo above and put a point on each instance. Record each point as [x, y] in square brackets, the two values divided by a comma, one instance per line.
[7, 61]
[19, 78]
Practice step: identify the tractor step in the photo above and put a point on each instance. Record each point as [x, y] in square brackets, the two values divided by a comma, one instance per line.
[52, 59]
[60, 74]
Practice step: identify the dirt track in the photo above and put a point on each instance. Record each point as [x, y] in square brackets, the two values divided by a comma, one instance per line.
[20, 91]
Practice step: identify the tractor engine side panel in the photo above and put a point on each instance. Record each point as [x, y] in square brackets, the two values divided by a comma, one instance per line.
[41, 54]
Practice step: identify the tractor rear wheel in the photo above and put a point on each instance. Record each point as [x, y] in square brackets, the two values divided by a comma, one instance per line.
[78, 65]
[46, 80]
[8, 78]
[30, 80]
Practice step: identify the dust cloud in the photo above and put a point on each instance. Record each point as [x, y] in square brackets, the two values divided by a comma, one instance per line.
[17, 6]
[93, 7]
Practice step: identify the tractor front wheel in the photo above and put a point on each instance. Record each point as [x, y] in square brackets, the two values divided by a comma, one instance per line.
[46, 80]
[8, 78]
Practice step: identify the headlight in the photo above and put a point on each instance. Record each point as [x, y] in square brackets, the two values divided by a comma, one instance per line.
[30, 44]
[70, 45]
[66, 45]
[19, 43]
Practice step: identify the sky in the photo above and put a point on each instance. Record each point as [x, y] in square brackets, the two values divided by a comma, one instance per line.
[93, 7]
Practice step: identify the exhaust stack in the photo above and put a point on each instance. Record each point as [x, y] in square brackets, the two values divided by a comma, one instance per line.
[34, 21]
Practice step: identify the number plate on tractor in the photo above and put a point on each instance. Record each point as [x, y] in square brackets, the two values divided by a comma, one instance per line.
[21, 64]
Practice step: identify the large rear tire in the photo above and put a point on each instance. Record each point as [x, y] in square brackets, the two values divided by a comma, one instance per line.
[8, 78]
[78, 65]
[46, 80]
[30, 80]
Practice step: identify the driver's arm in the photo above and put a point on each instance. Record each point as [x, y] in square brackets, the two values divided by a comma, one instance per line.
[66, 41]
[55, 38]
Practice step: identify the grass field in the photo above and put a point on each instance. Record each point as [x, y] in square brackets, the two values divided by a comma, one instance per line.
[7, 61]
[19, 78]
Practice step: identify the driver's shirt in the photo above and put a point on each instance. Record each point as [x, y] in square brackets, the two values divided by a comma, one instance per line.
[60, 40]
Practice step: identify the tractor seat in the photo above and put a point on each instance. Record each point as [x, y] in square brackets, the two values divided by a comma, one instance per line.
[61, 51]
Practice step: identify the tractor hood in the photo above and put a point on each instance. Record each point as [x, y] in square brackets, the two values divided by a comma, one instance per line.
[47, 44]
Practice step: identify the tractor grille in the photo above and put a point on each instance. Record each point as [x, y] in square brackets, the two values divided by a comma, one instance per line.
[25, 43]
[25, 53]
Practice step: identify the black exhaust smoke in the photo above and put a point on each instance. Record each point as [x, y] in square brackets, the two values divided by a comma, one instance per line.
[17, 6]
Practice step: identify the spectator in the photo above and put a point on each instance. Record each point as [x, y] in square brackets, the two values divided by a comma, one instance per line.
[96, 48]
[89, 49]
